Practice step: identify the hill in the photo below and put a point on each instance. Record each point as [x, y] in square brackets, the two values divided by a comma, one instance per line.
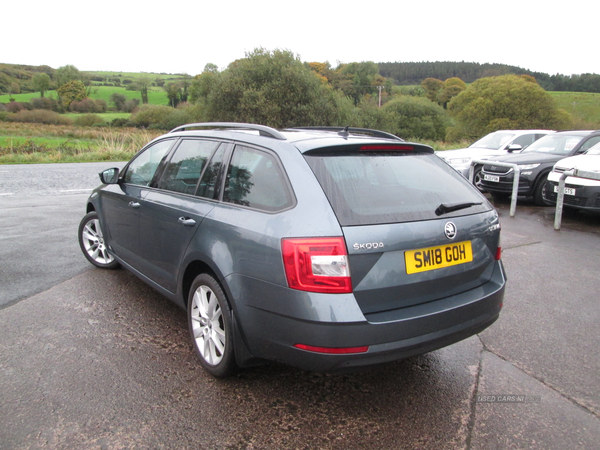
[17, 78]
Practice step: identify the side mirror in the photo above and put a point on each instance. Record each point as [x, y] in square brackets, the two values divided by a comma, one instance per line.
[109, 176]
[514, 148]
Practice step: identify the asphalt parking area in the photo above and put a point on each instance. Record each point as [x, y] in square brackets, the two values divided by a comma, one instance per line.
[102, 361]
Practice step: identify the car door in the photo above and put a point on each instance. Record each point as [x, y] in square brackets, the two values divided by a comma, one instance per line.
[121, 202]
[172, 213]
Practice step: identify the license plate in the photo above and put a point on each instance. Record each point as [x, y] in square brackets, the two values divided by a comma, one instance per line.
[493, 178]
[424, 259]
[568, 191]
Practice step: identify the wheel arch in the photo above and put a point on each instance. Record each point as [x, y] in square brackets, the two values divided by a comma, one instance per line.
[193, 269]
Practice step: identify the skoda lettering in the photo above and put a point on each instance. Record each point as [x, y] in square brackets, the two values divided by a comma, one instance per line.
[368, 246]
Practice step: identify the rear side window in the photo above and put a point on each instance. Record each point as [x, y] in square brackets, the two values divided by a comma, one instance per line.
[182, 172]
[366, 189]
[256, 180]
[524, 140]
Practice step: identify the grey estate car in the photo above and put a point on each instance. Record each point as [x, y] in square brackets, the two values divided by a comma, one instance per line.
[321, 248]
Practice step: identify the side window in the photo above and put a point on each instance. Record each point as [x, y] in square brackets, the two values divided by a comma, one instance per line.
[183, 170]
[142, 168]
[211, 177]
[589, 144]
[524, 141]
[255, 179]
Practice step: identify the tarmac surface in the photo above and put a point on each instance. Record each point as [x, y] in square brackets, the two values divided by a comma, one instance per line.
[96, 359]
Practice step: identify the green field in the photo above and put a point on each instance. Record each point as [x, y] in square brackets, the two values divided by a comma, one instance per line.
[583, 106]
[156, 95]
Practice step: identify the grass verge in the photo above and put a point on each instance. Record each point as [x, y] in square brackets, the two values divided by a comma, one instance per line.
[32, 143]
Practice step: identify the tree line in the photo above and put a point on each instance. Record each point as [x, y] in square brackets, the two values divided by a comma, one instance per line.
[408, 73]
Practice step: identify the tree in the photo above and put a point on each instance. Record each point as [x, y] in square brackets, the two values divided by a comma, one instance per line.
[142, 84]
[41, 82]
[71, 92]
[118, 100]
[271, 88]
[432, 87]
[173, 94]
[361, 78]
[67, 73]
[503, 102]
[452, 87]
[14, 89]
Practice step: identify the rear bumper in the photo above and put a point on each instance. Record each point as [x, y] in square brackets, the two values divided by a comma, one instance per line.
[418, 329]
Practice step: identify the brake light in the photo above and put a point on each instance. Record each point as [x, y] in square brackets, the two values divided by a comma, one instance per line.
[498, 253]
[334, 350]
[388, 148]
[317, 264]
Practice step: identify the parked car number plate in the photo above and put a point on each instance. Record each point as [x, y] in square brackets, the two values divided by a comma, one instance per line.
[568, 191]
[424, 259]
[493, 178]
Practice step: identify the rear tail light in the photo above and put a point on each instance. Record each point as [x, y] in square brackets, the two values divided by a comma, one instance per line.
[317, 264]
[498, 253]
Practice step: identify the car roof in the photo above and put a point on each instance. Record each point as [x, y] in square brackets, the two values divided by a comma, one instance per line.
[578, 132]
[303, 138]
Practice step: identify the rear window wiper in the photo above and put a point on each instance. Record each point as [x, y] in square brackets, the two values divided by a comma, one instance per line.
[445, 208]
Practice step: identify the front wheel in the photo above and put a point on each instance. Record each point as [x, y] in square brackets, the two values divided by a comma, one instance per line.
[209, 320]
[91, 241]
[539, 191]
[477, 178]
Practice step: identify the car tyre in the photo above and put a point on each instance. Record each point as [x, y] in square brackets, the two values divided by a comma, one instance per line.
[538, 192]
[91, 241]
[210, 324]
[477, 178]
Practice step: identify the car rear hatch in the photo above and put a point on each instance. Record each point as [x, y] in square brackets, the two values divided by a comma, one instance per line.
[416, 231]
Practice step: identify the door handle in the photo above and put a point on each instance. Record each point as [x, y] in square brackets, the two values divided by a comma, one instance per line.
[187, 222]
[134, 205]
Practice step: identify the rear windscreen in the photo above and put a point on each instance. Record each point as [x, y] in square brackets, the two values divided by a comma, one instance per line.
[377, 188]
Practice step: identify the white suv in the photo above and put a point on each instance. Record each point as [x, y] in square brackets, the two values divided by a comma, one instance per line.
[580, 193]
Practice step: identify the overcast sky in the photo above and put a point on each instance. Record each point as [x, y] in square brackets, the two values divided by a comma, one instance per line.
[182, 36]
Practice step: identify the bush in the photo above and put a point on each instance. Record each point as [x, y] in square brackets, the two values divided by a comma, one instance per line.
[162, 117]
[130, 105]
[151, 115]
[87, 105]
[42, 103]
[88, 120]
[415, 118]
[119, 122]
[39, 116]
[15, 107]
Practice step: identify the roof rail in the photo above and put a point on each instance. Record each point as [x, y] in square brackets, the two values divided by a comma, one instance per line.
[262, 129]
[345, 131]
